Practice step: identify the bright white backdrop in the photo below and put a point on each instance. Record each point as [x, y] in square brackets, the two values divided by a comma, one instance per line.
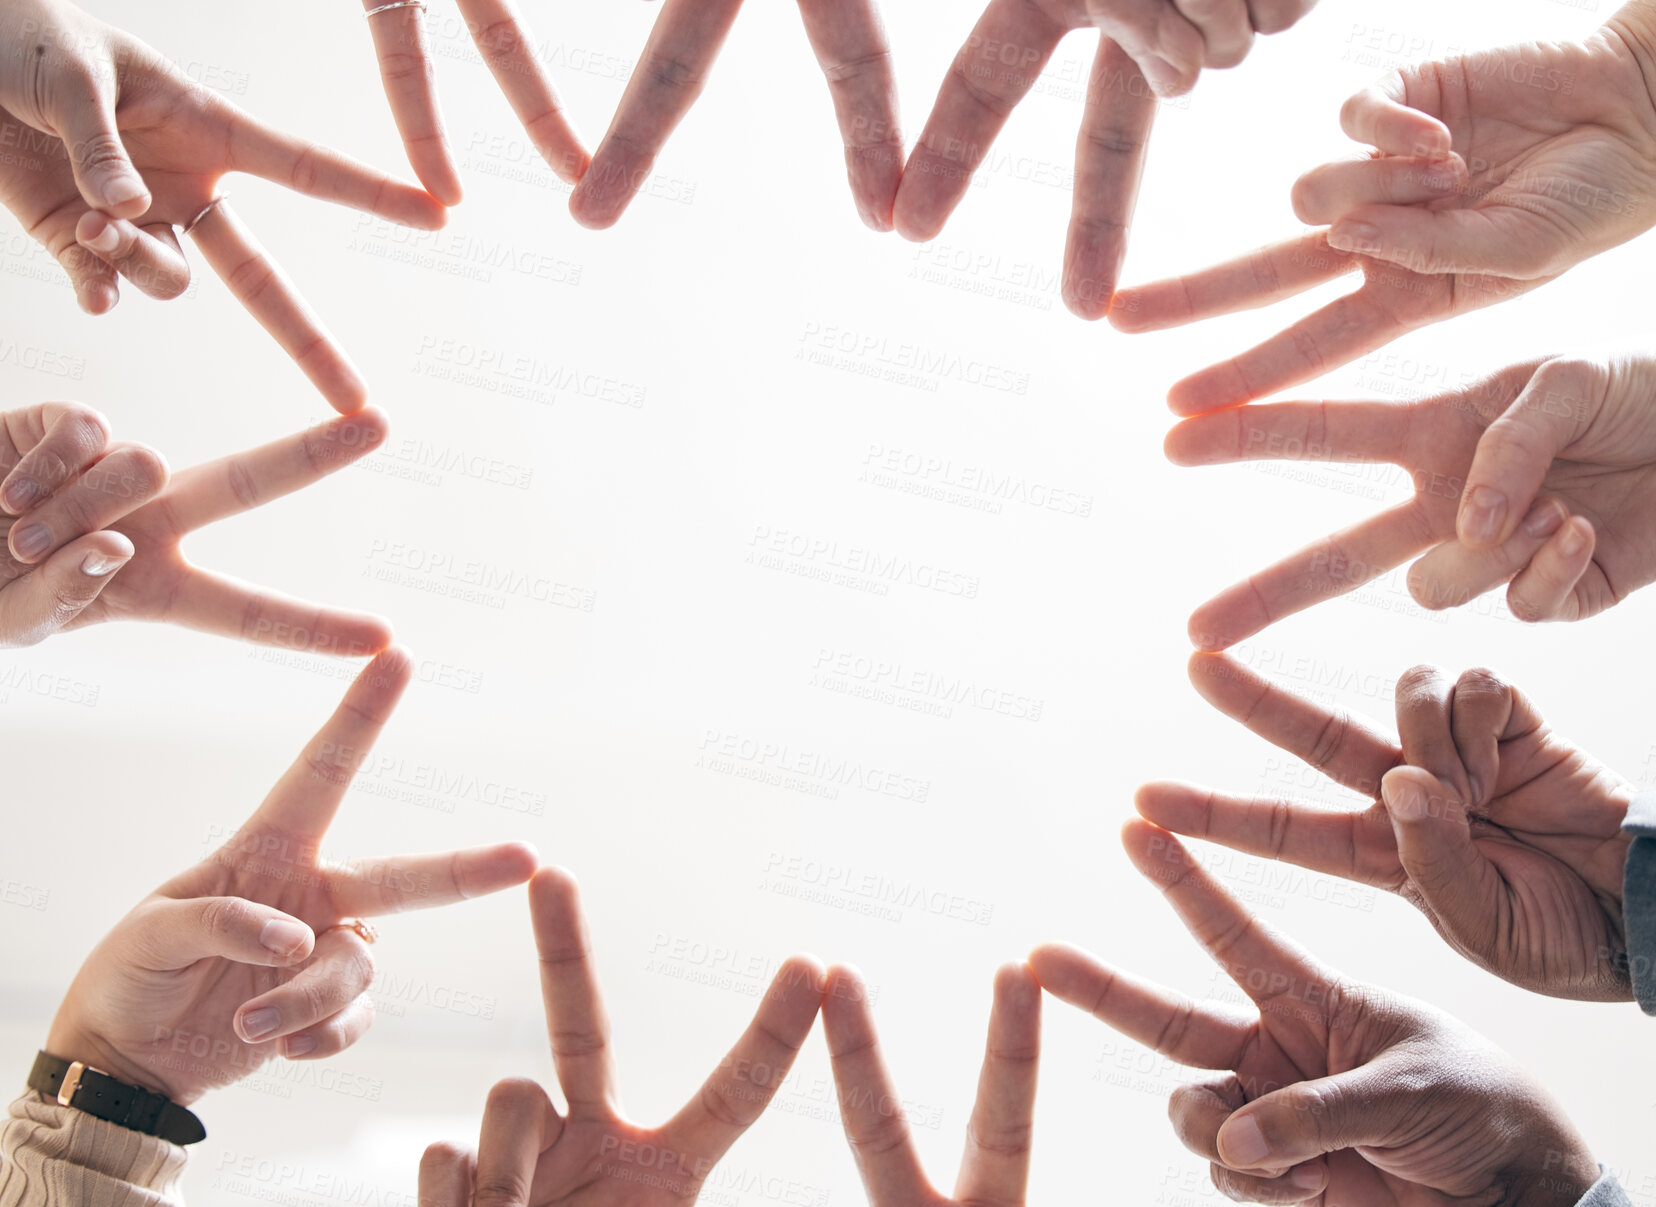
[676, 410]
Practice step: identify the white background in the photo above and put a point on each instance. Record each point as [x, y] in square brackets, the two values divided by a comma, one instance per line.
[702, 300]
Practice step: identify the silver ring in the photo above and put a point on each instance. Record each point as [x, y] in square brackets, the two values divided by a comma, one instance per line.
[385, 8]
[206, 209]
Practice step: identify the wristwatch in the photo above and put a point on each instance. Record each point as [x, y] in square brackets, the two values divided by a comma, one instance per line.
[96, 1093]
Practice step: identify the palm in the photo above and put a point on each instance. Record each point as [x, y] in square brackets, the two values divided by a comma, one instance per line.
[573, 1171]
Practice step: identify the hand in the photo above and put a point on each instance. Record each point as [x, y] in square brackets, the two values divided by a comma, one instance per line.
[94, 531]
[1338, 1092]
[1547, 469]
[1147, 48]
[238, 960]
[995, 1167]
[128, 148]
[531, 1154]
[847, 36]
[1494, 173]
[1506, 835]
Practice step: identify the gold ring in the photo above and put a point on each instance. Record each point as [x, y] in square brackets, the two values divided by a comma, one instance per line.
[205, 210]
[364, 929]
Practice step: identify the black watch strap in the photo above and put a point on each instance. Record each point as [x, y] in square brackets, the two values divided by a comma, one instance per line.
[98, 1094]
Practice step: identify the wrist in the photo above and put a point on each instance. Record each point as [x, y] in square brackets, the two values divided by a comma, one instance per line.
[1634, 27]
[70, 1043]
[1562, 1176]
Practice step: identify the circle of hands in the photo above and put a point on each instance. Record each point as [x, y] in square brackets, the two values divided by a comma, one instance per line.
[1476, 187]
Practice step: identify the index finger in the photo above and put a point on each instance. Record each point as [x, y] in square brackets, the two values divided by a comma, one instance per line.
[1248, 282]
[1294, 431]
[995, 1166]
[576, 1020]
[1377, 116]
[849, 41]
[998, 65]
[682, 46]
[304, 800]
[406, 72]
[507, 49]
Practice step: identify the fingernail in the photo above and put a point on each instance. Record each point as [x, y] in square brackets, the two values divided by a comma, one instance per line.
[1475, 788]
[1572, 541]
[1404, 801]
[96, 564]
[122, 189]
[283, 936]
[1307, 1177]
[298, 1045]
[1241, 1144]
[1481, 517]
[1544, 519]
[31, 540]
[106, 240]
[260, 1023]
[1163, 76]
[21, 495]
[1354, 236]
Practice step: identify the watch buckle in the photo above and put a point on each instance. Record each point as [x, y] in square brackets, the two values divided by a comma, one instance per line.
[71, 1081]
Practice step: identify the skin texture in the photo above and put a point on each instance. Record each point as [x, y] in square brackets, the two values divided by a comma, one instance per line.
[1334, 1093]
[995, 1166]
[1505, 834]
[846, 35]
[1491, 174]
[94, 531]
[1567, 448]
[530, 1152]
[1147, 48]
[117, 147]
[233, 963]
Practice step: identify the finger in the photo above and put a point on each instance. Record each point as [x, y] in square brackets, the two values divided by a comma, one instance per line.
[849, 41]
[340, 970]
[1344, 747]
[1334, 842]
[990, 74]
[1556, 408]
[1226, 28]
[165, 934]
[870, 1110]
[1450, 575]
[446, 1176]
[995, 1165]
[1274, 16]
[1545, 589]
[55, 594]
[516, 1123]
[1294, 431]
[1486, 711]
[72, 437]
[215, 490]
[682, 46]
[1364, 1107]
[1324, 570]
[1457, 886]
[148, 256]
[1299, 1185]
[264, 291]
[1326, 194]
[103, 172]
[1257, 279]
[406, 71]
[1424, 699]
[369, 888]
[1199, 1034]
[1378, 117]
[1264, 965]
[332, 1035]
[124, 479]
[1158, 37]
[508, 49]
[1109, 163]
[575, 1014]
[1199, 1109]
[748, 1077]
[212, 603]
[320, 172]
[1489, 239]
[305, 799]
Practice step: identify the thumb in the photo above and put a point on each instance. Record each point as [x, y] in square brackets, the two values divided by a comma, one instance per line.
[1303, 1121]
[58, 590]
[103, 173]
[1456, 882]
[171, 933]
[1516, 451]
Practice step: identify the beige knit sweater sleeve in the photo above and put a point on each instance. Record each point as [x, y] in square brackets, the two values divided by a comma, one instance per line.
[55, 1156]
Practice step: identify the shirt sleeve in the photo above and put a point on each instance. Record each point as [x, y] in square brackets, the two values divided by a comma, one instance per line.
[1606, 1192]
[53, 1156]
[1639, 899]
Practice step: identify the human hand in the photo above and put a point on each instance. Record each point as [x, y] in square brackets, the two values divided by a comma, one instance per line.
[1493, 173]
[117, 147]
[530, 1154]
[1505, 834]
[1147, 48]
[847, 36]
[1547, 470]
[94, 531]
[995, 1167]
[1337, 1092]
[246, 955]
